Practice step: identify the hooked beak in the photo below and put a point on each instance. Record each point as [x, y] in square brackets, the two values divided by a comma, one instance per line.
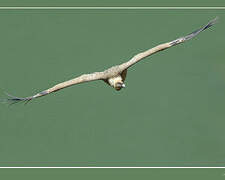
[123, 85]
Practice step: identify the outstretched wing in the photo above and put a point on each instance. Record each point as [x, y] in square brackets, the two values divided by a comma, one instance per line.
[161, 47]
[78, 80]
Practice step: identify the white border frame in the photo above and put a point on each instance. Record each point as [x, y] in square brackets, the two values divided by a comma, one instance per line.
[109, 8]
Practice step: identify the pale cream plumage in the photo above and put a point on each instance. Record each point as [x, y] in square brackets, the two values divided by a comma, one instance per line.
[116, 75]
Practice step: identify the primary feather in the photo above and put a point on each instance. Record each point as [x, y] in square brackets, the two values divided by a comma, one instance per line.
[114, 75]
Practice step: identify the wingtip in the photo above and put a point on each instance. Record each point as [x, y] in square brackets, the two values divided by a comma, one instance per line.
[212, 22]
[194, 33]
[215, 20]
[13, 99]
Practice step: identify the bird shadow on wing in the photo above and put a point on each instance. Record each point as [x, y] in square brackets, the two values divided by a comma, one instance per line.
[10, 100]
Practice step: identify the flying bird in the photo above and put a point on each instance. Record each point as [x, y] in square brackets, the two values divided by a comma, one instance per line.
[116, 75]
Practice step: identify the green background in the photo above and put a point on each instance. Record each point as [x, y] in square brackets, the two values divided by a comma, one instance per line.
[170, 114]
[112, 3]
[174, 174]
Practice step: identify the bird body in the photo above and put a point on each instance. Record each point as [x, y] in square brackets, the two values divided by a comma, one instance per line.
[114, 76]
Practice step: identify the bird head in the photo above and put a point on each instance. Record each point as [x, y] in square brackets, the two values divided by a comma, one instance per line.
[119, 85]
[116, 82]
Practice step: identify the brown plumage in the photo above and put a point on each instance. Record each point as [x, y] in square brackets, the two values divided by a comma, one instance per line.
[116, 75]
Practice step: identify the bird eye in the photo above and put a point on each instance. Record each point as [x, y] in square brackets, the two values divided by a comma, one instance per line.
[119, 85]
